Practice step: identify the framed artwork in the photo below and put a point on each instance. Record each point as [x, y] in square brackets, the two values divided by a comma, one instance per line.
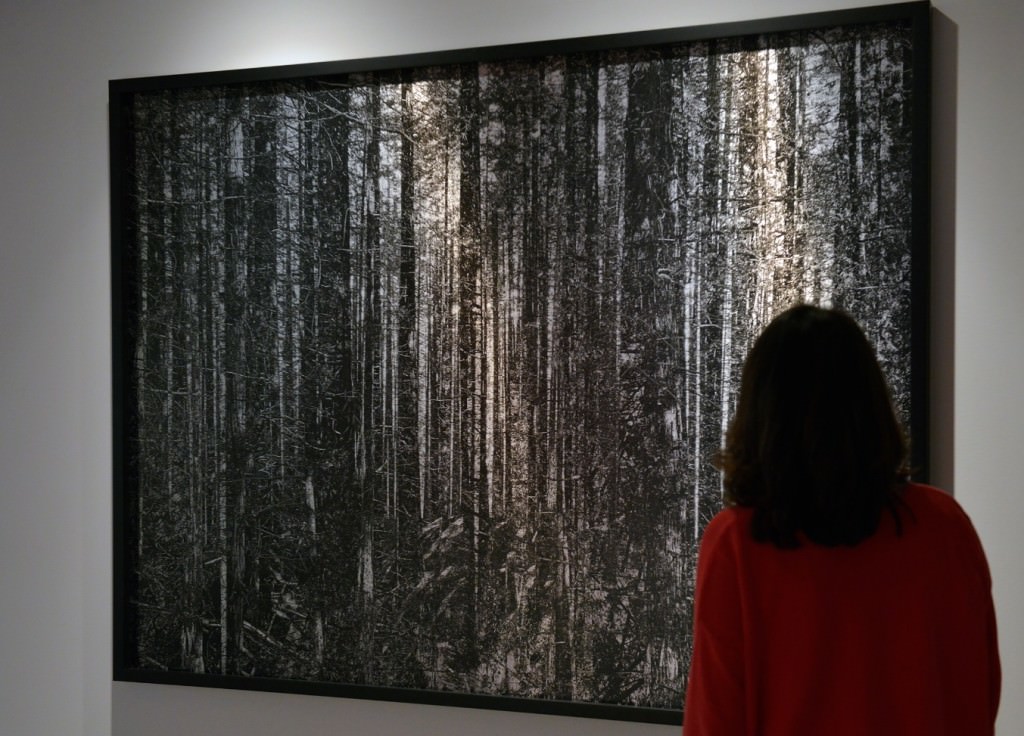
[420, 361]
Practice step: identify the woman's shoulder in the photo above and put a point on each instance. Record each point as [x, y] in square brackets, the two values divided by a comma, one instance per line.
[938, 515]
[924, 506]
[924, 499]
[730, 523]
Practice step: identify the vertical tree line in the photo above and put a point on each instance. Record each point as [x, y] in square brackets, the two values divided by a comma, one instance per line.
[428, 366]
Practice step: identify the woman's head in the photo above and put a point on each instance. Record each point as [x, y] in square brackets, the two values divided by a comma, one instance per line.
[815, 446]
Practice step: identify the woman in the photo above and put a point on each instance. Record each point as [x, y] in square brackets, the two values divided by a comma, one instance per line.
[834, 596]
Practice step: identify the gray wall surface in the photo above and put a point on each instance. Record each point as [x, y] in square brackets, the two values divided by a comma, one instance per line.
[55, 470]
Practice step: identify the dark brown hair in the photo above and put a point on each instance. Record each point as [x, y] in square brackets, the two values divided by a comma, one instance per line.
[814, 447]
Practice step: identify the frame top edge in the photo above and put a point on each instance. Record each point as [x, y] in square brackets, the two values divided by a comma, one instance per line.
[915, 11]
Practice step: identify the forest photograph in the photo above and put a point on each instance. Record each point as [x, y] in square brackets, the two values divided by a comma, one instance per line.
[424, 369]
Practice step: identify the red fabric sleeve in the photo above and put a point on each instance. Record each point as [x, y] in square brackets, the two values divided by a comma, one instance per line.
[992, 653]
[715, 693]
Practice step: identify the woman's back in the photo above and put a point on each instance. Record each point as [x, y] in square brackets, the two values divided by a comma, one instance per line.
[895, 635]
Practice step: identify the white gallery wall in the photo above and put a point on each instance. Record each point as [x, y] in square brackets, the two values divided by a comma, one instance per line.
[55, 419]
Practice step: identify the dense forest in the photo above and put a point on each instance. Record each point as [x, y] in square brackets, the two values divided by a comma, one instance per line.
[427, 366]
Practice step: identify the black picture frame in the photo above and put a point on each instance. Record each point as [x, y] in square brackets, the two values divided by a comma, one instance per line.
[282, 333]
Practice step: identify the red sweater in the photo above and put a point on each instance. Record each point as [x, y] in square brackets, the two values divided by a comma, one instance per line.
[894, 636]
